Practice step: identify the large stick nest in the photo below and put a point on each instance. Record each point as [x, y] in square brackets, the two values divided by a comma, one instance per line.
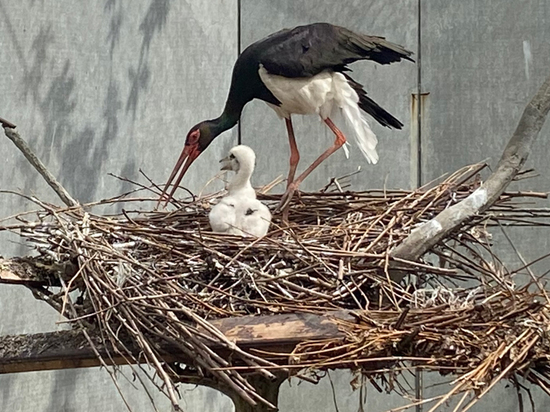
[148, 277]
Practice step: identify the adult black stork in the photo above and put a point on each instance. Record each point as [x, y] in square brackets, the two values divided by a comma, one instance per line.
[301, 71]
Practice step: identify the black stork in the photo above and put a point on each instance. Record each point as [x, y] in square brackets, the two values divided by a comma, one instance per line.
[301, 71]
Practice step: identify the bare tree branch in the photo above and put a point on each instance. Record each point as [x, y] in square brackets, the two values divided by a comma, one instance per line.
[7, 123]
[422, 239]
[22, 145]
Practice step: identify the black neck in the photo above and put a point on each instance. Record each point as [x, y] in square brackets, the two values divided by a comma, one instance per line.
[227, 119]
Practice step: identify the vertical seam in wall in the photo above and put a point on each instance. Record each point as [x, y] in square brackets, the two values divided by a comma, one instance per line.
[418, 379]
[419, 97]
[239, 39]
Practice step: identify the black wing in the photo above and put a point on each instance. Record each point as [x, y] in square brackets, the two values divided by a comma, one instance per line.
[307, 50]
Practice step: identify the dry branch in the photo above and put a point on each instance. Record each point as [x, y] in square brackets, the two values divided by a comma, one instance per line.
[515, 154]
[22, 145]
[7, 123]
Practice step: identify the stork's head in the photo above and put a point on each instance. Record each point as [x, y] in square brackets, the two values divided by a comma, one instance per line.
[198, 139]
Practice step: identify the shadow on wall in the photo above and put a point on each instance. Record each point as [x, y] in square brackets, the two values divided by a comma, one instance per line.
[6, 383]
[79, 151]
[113, 37]
[64, 387]
[153, 22]
[70, 143]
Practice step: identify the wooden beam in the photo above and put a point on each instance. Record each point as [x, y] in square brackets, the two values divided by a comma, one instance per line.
[70, 349]
[10, 274]
[30, 272]
[45, 351]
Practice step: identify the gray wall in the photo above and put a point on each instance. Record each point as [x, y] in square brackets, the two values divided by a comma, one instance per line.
[113, 87]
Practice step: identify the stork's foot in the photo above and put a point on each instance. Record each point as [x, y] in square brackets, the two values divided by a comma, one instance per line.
[287, 197]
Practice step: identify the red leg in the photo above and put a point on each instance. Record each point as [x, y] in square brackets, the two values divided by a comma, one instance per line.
[338, 143]
[294, 154]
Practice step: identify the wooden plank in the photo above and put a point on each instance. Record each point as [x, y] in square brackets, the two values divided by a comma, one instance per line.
[29, 272]
[8, 274]
[9, 277]
[46, 351]
[286, 329]
[70, 349]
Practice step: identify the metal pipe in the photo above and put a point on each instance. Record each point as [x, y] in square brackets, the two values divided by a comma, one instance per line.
[419, 97]
[418, 381]
[239, 40]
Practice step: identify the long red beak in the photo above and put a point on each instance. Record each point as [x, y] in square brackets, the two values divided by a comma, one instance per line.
[187, 156]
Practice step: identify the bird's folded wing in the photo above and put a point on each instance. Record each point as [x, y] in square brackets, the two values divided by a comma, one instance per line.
[308, 50]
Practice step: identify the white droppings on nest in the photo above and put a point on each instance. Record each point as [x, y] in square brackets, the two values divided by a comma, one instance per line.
[122, 272]
[481, 234]
[472, 203]
[430, 297]
[124, 245]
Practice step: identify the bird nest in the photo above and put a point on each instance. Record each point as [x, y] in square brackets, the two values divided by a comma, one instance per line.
[146, 278]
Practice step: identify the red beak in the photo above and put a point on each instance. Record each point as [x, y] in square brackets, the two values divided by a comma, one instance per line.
[187, 156]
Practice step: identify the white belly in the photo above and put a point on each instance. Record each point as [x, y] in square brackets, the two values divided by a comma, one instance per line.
[325, 94]
[319, 94]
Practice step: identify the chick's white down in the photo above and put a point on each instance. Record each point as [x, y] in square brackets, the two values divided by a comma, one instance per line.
[239, 212]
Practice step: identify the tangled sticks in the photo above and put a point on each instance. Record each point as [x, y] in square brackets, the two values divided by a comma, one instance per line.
[148, 278]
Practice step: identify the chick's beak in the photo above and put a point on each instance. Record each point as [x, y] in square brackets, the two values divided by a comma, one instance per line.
[225, 163]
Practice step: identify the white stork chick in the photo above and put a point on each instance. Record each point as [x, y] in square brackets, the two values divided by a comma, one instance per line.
[239, 212]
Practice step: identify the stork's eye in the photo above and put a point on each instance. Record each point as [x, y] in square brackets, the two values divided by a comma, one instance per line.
[193, 137]
[231, 156]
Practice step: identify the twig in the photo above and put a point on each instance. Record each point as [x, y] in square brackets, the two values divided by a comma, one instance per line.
[39, 166]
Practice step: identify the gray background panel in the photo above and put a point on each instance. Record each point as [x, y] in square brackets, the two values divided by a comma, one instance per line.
[113, 86]
[481, 64]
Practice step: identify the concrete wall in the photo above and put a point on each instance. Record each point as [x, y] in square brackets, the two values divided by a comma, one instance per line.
[113, 87]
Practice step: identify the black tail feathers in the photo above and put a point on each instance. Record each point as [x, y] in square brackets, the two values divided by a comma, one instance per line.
[371, 107]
